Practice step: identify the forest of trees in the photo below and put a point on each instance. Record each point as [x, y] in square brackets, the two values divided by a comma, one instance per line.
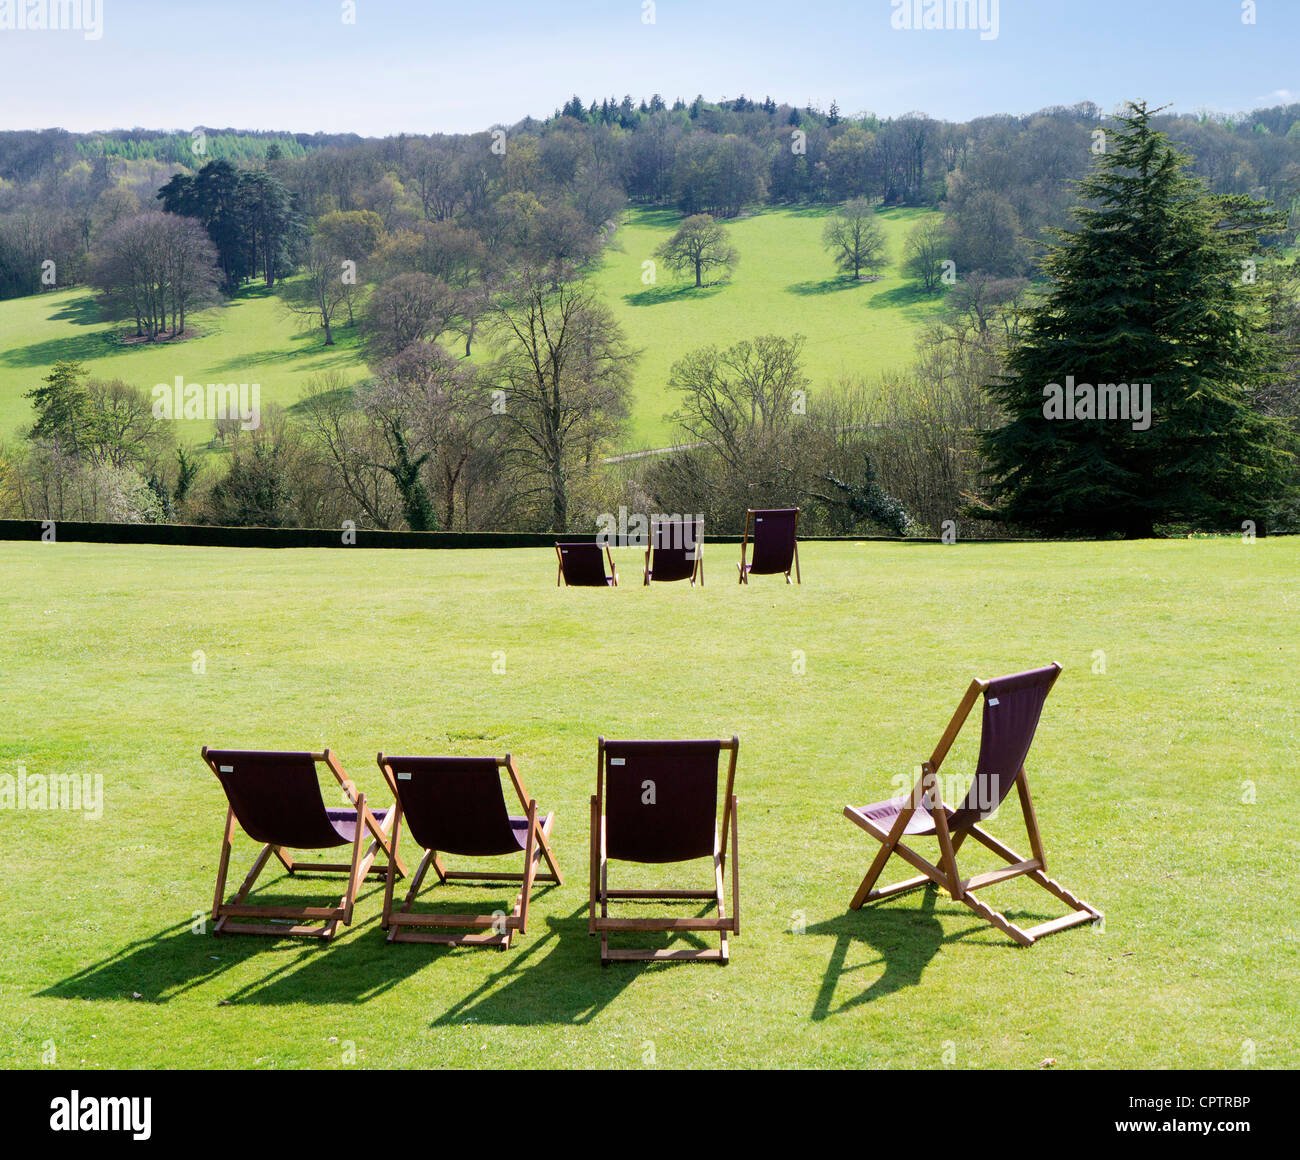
[429, 244]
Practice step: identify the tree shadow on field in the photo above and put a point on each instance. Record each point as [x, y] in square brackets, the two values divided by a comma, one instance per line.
[76, 347]
[658, 295]
[825, 286]
[905, 295]
[84, 311]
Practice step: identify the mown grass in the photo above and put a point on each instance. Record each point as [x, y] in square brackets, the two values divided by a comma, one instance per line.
[1143, 776]
[784, 283]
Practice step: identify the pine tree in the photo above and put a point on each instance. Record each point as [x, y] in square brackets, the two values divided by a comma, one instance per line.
[61, 407]
[1148, 289]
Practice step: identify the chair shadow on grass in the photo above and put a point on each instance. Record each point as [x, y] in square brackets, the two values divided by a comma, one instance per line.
[904, 939]
[557, 978]
[159, 967]
[180, 958]
[361, 964]
[551, 975]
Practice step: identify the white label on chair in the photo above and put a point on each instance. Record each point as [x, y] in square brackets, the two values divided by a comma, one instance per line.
[992, 701]
[226, 768]
[403, 777]
[759, 520]
[618, 761]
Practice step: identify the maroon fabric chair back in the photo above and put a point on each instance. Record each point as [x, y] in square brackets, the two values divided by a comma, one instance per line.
[584, 565]
[675, 545]
[661, 800]
[1012, 706]
[276, 797]
[455, 804]
[773, 541]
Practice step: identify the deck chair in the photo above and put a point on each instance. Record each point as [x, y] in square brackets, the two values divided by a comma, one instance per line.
[276, 799]
[1012, 706]
[657, 802]
[582, 566]
[775, 544]
[675, 552]
[454, 805]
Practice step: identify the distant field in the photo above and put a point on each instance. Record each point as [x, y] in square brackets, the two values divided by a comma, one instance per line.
[1165, 776]
[784, 284]
[251, 339]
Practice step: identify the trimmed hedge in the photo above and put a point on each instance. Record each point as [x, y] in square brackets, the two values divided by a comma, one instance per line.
[203, 536]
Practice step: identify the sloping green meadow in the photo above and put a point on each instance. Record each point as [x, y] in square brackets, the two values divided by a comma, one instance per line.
[1165, 776]
[785, 283]
[250, 339]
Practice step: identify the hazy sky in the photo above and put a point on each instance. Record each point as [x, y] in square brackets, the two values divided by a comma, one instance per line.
[434, 65]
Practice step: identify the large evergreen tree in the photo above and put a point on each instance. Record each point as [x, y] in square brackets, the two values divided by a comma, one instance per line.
[1148, 289]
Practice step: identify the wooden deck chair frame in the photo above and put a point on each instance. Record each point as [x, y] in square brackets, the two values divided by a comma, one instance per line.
[927, 792]
[314, 921]
[696, 574]
[750, 513]
[559, 574]
[726, 837]
[482, 930]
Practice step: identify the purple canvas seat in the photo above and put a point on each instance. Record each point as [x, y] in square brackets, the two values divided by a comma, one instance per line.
[656, 802]
[675, 552]
[772, 537]
[455, 805]
[1011, 712]
[275, 798]
[582, 565]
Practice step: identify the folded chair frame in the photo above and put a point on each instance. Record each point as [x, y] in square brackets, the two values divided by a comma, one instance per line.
[315, 921]
[926, 792]
[484, 930]
[725, 843]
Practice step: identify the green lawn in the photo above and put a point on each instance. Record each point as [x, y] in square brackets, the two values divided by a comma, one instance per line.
[1139, 775]
[784, 283]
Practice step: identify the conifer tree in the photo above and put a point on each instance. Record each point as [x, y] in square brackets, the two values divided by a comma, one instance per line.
[1152, 287]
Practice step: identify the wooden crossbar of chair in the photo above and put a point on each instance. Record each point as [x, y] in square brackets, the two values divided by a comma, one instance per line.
[926, 795]
[320, 921]
[726, 841]
[481, 930]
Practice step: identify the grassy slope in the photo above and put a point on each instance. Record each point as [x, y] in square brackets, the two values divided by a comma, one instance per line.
[1138, 775]
[784, 283]
[250, 340]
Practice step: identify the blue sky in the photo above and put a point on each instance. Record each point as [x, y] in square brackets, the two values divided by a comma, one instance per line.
[433, 65]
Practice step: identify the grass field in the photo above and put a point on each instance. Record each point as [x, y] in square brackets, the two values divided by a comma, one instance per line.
[784, 283]
[251, 339]
[1165, 786]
